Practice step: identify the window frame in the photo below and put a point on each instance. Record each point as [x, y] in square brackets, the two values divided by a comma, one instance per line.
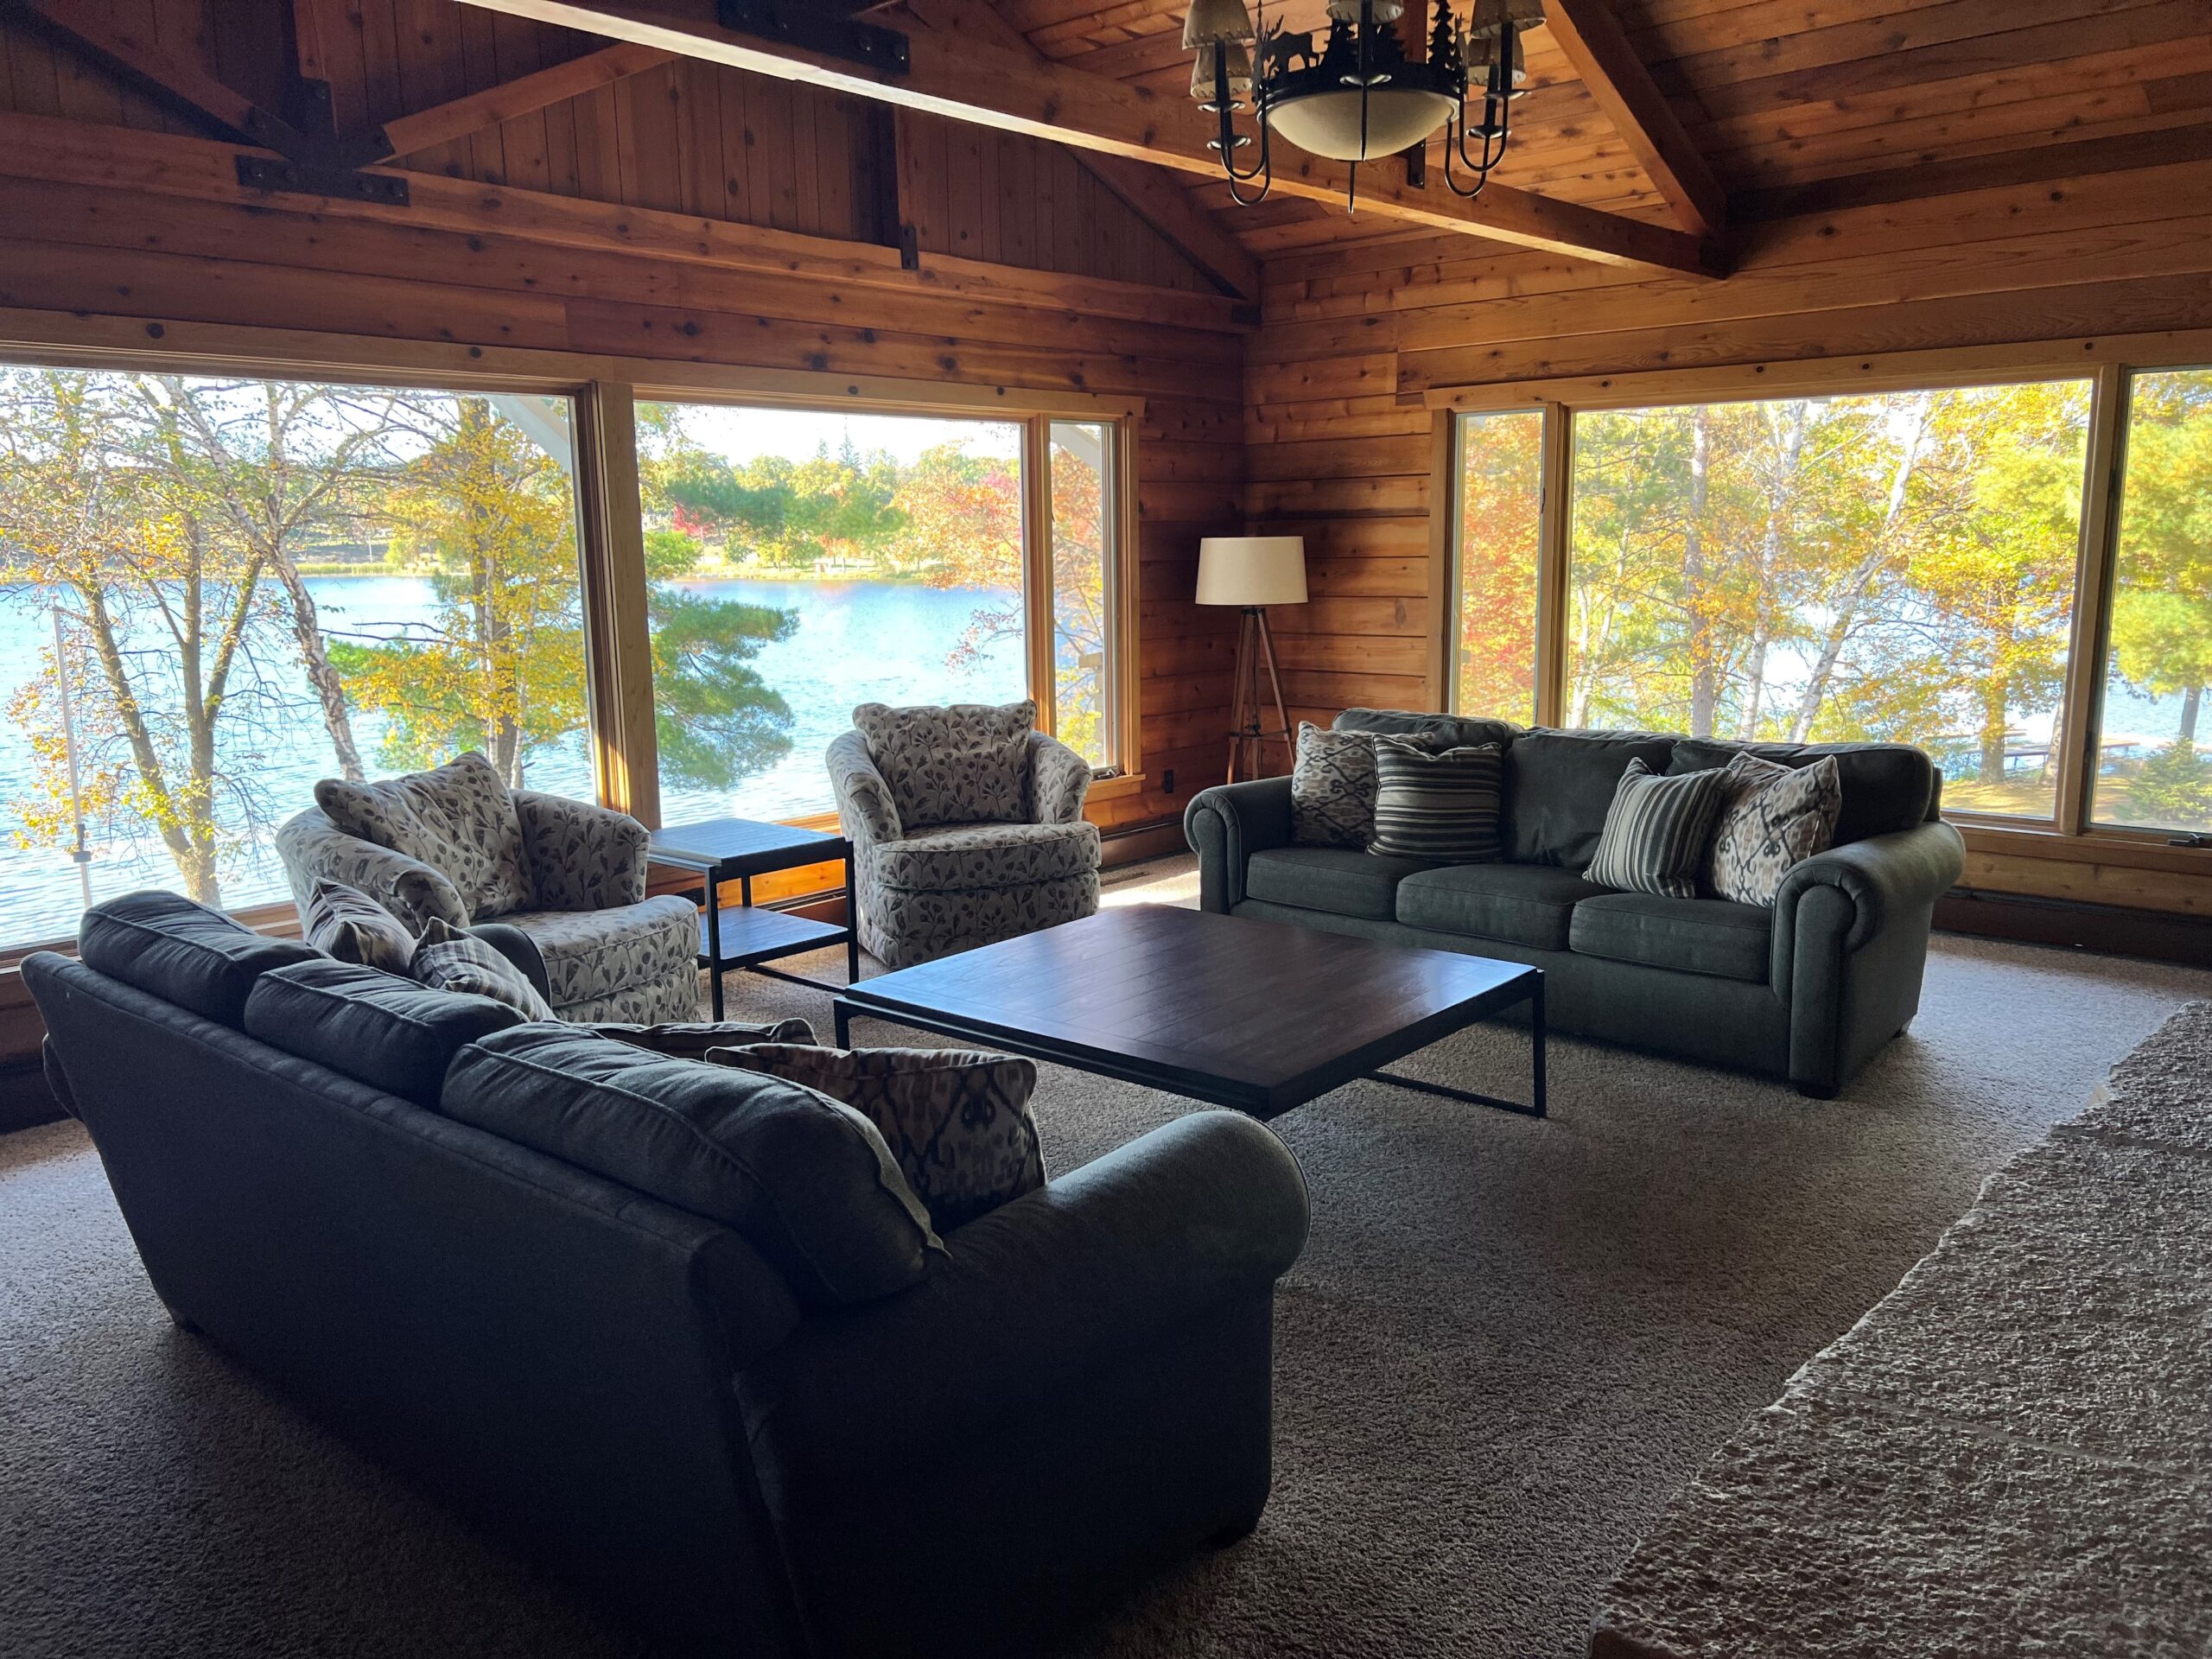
[2108, 362]
[604, 391]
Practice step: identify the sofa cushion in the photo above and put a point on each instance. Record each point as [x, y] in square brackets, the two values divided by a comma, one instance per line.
[1343, 880]
[384, 1030]
[182, 951]
[457, 818]
[965, 764]
[954, 857]
[1693, 935]
[1558, 786]
[958, 1119]
[592, 954]
[447, 960]
[1886, 786]
[1440, 803]
[1435, 731]
[1527, 905]
[345, 922]
[808, 1182]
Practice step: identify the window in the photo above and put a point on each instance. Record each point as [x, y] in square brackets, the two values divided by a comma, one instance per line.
[803, 562]
[1897, 567]
[1501, 491]
[214, 592]
[2152, 770]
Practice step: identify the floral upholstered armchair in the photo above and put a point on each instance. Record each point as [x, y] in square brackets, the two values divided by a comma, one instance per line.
[458, 844]
[967, 827]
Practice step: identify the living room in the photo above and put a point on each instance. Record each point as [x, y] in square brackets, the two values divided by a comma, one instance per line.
[981, 826]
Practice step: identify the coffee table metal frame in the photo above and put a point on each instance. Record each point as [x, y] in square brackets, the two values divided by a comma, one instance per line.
[878, 1000]
[745, 935]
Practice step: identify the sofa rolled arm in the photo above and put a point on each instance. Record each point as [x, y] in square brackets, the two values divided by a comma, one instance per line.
[311, 847]
[1880, 879]
[1225, 825]
[865, 810]
[1066, 1281]
[1058, 780]
[583, 855]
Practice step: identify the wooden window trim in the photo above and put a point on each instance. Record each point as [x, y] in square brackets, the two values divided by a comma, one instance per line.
[2109, 362]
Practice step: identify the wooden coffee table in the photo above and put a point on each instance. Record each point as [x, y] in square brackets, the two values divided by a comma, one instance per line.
[1252, 1014]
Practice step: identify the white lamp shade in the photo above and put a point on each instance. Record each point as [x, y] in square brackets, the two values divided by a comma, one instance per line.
[1252, 570]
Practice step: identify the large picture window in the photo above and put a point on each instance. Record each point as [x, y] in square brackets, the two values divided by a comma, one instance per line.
[1500, 493]
[215, 591]
[804, 561]
[2153, 768]
[1898, 568]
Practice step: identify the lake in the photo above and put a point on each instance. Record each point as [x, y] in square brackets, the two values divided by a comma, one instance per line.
[856, 642]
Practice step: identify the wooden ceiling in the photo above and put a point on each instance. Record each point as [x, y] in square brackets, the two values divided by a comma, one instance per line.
[1789, 101]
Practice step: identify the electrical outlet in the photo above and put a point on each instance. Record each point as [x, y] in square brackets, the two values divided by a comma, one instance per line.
[1167, 780]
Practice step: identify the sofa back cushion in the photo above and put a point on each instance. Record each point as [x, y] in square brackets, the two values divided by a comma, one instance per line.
[1886, 786]
[1435, 731]
[458, 819]
[807, 1181]
[182, 951]
[964, 763]
[1558, 786]
[386, 1031]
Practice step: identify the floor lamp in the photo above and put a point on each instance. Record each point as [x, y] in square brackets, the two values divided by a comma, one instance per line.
[1253, 572]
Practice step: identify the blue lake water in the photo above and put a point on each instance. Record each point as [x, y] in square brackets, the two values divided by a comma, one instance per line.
[856, 642]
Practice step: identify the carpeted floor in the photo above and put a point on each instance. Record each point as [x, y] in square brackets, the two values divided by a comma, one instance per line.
[1505, 1346]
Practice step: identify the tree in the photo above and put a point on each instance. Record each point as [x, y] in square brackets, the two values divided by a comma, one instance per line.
[487, 516]
[162, 610]
[717, 720]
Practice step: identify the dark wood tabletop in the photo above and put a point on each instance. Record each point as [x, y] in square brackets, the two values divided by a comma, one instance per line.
[733, 846]
[1252, 1014]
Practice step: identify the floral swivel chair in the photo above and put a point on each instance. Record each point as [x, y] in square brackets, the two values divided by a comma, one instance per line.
[967, 827]
[458, 844]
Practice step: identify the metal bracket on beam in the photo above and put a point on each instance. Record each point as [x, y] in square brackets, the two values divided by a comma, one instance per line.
[320, 179]
[795, 23]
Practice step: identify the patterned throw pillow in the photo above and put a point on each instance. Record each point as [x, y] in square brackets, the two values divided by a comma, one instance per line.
[446, 959]
[1442, 806]
[1657, 831]
[345, 922]
[1773, 827]
[1332, 786]
[458, 819]
[965, 764]
[957, 1121]
[692, 1039]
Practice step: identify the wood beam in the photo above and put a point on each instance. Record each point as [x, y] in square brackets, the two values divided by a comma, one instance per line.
[444, 123]
[174, 77]
[964, 80]
[1589, 35]
[1146, 190]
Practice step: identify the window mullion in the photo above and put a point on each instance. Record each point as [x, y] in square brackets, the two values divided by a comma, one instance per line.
[2083, 716]
[1037, 567]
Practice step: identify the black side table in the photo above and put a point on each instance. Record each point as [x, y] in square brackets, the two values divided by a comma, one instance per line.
[745, 935]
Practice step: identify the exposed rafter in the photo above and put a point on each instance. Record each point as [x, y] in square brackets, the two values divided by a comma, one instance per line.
[967, 81]
[1150, 193]
[446, 122]
[1589, 35]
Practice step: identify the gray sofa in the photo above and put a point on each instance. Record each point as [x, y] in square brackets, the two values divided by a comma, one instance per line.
[1808, 990]
[805, 1426]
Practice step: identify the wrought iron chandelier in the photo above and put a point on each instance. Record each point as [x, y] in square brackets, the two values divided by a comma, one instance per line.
[1359, 95]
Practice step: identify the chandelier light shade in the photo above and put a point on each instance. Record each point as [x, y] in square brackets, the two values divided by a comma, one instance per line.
[1361, 93]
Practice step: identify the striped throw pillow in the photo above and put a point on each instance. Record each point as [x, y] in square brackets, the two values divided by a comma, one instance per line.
[1657, 831]
[1440, 804]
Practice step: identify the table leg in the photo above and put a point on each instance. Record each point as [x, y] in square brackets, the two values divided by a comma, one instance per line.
[1537, 1041]
[852, 923]
[714, 944]
[841, 1012]
[1535, 1108]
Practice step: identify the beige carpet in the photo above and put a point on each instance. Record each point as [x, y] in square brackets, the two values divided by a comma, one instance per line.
[1506, 1345]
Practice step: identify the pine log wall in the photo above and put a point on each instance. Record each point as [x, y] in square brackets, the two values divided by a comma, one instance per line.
[1340, 443]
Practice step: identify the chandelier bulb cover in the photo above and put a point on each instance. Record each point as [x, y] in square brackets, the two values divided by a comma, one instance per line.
[1357, 94]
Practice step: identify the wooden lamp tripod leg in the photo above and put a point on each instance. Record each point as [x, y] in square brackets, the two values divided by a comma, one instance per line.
[1282, 715]
[1244, 692]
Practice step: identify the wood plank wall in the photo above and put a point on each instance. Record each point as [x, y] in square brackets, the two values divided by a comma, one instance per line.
[1339, 444]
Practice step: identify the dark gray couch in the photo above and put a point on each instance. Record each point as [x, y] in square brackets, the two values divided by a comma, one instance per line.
[1075, 1391]
[1807, 990]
